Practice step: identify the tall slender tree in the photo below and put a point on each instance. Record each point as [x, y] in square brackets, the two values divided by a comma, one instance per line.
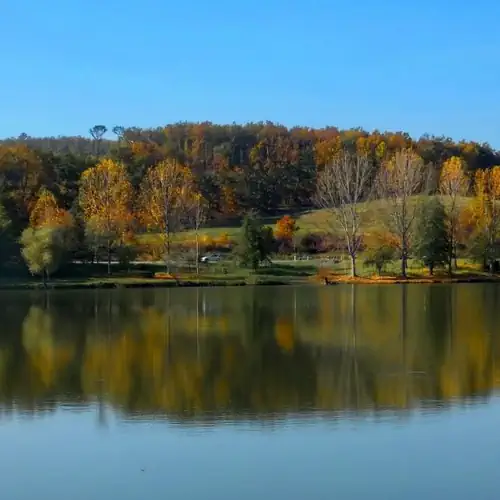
[453, 184]
[397, 182]
[166, 194]
[341, 187]
[97, 132]
[198, 215]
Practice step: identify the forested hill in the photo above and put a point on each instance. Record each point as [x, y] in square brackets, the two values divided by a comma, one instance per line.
[260, 166]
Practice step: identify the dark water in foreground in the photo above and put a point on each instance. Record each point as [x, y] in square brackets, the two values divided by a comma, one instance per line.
[283, 393]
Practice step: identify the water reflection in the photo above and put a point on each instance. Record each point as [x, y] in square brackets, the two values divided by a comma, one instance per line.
[249, 354]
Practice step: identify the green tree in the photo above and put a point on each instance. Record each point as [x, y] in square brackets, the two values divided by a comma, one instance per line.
[256, 242]
[43, 249]
[432, 241]
[379, 257]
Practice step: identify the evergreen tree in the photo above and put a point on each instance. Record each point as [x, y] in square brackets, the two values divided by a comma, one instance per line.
[256, 243]
[431, 238]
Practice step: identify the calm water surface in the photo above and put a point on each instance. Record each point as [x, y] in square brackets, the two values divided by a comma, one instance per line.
[280, 393]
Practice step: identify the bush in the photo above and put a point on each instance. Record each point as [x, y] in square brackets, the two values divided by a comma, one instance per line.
[126, 253]
[382, 249]
[380, 257]
[319, 242]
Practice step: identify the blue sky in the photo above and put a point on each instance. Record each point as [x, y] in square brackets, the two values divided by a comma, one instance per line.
[422, 66]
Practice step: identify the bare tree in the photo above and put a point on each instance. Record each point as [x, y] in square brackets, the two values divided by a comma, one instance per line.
[341, 186]
[397, 183]
[198, 215]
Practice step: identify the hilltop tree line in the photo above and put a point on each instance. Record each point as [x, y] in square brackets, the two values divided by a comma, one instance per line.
[96, 194]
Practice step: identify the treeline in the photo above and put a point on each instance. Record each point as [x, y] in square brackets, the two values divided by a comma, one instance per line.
[261, 166]
[182, 175]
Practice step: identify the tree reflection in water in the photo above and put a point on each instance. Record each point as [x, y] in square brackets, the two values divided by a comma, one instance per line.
[254, 353]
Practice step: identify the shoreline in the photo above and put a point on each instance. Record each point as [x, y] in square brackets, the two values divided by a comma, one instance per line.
[116, 284]
[444, 280]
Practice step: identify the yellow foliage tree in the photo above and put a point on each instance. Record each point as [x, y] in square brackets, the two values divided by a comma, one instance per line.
[453, 184]
[20, 176]
[46, 212]
[106, 201]
[485, 214]
[167, 192]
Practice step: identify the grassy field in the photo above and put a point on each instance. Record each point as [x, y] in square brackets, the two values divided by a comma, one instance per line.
[227, 272]
[373, 214]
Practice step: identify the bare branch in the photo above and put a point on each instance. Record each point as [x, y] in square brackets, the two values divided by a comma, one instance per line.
[397, 183]
[341, 187]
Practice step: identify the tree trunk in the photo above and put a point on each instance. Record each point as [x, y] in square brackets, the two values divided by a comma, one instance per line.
[197, 254]
[403, 265]
[109, 258]
[167, 253]
[451, 253]
[353, 265]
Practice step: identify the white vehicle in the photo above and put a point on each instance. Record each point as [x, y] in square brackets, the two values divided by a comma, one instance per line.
[210, 258]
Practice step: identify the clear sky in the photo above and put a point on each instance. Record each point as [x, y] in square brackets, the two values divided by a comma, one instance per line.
[415, 65]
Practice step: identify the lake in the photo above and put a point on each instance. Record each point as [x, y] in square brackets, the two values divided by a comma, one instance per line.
[348, 392]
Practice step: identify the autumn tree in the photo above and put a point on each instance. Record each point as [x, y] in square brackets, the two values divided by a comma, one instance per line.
[5, 239]
[286, 229]
[341, 187]
[47, 214]
[453, 184]
[21, 173]
[46, 211]
[432, 238]
[106, 199]
[398, 182]
[485, 213]
[165, 196]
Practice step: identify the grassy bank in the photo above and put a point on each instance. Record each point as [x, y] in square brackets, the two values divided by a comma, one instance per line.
[316, 272]
[467, 272]
[148, 276]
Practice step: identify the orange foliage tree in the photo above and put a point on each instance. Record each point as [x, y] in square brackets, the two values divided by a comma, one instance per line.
[106, 202]
[286, 228]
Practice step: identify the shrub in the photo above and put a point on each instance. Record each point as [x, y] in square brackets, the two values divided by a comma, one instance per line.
[319, 242]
